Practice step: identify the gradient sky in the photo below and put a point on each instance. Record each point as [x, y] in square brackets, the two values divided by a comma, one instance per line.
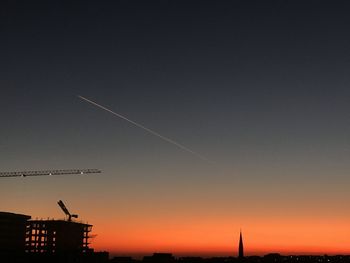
[261, 88]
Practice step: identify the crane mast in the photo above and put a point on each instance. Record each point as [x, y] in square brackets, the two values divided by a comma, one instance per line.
[49, 172]
[65, 210]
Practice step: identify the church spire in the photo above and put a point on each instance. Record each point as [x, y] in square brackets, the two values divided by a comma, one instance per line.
[240, 247]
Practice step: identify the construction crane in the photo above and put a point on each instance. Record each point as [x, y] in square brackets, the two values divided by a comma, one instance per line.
[49, 172]
[65, 210]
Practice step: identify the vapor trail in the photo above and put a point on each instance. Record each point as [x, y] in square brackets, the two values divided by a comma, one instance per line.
[147, 129]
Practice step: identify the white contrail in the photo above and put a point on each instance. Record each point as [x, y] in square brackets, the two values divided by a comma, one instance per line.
[146, 129]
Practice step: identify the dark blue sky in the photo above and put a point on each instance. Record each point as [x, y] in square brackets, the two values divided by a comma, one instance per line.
[204, 72]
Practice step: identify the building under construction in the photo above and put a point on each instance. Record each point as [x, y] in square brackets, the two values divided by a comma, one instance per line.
[57, 236]
[20, 234]
[23, 240]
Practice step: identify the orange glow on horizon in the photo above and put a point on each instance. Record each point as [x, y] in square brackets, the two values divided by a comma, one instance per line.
[204, 237]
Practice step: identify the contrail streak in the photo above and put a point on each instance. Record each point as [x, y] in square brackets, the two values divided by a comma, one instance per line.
[146, 129]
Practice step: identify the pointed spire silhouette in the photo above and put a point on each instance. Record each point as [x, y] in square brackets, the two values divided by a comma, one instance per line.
[240, 247]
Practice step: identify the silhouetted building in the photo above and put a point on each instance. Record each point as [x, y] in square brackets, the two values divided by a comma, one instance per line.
[160, 258]
[12, 232]
[123, 260]
[275, 257]
[240, 246]
[190, 260]
[57, 236]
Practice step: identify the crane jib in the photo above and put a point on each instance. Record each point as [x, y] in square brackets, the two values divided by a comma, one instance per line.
[49, 172]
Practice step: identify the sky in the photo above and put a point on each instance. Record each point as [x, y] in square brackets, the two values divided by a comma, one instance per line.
[259, 88]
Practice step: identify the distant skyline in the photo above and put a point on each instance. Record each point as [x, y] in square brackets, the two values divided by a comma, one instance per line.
[260, 88]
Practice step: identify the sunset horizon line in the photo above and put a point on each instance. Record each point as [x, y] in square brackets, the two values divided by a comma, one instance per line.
[211, 254]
